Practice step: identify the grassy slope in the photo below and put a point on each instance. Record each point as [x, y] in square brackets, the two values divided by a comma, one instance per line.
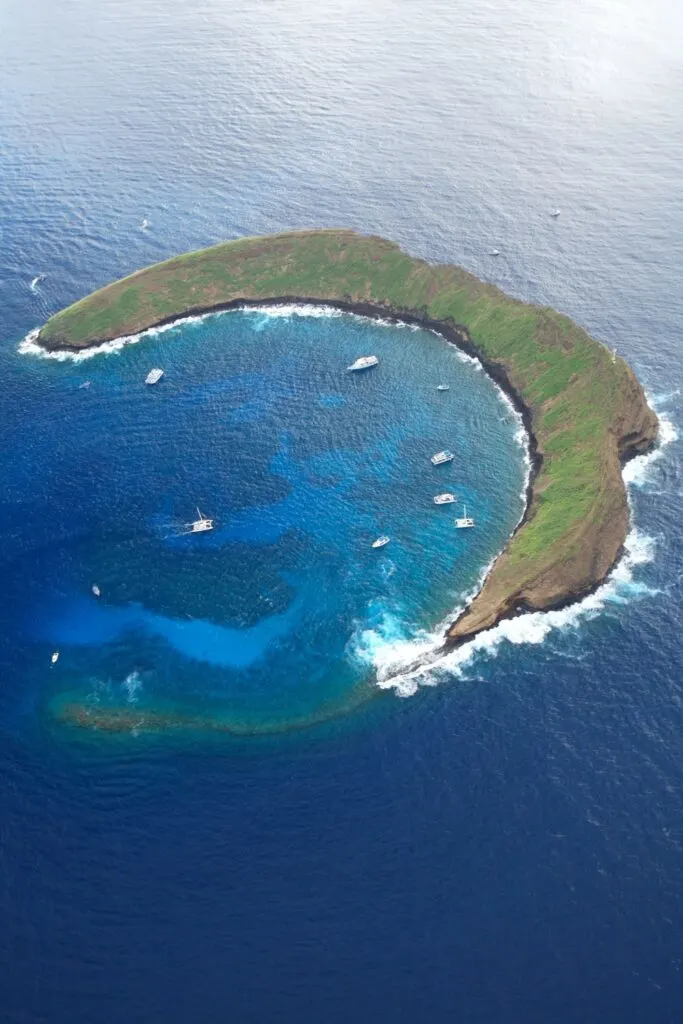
[574, 389]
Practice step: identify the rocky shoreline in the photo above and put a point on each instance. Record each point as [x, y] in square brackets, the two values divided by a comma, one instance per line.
[581, 550]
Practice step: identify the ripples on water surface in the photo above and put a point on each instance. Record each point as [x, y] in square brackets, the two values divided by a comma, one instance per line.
[275, 618]
[506, 846]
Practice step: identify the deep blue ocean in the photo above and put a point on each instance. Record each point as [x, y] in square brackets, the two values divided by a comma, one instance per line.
[294, 826]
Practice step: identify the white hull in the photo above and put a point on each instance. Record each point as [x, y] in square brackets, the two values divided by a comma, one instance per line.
[464, 522]
[441, 458]
[364, 363]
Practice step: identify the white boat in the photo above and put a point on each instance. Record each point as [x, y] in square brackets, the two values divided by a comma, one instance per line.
[443, 387]
[200, 525]
[144, 224]
[442, 457]
[36, 281]
[154, 376]
[364, 363]
[381, 541]
[463, 522]
[55, 657]
[556, 213]
[444, 499]
[96, 590]
[494, 252]
[85, 384]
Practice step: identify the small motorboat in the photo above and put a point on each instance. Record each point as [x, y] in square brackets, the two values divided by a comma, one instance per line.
[85, 384]
[154, 376]
[364, 363]
[442, 457]
[55, 657]
[464, 522]
[443, 387]
[444, 499]
[381, 541]
[96, 590]
[556, 213]
[144, 224]
[494, 252]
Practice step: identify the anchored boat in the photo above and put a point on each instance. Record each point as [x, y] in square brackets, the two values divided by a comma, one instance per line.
[444, 499]
[464, 522]
[381, 541]
[154, 376]
[442, 457]
[364, 363]
[443, 387]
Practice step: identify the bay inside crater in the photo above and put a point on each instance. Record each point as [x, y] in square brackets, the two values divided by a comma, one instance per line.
[280, 616]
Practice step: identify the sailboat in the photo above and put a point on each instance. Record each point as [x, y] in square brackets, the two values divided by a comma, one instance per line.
[463, 522]
[200, 525]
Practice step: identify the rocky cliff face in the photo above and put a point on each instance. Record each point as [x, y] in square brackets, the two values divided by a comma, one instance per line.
[591, 550]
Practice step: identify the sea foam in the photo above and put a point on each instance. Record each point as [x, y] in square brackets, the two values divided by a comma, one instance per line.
[405, 659]
[29, 345]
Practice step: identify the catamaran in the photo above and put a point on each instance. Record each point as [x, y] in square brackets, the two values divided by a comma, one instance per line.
[442, 457]
[364, 363]
[444, 499]
[200, 525]
[154, 376]
[381, 541]
[463, 522]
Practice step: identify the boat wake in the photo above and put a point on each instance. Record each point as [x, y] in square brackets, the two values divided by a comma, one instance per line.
[405, 658]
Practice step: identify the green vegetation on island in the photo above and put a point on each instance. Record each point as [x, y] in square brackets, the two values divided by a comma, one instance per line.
[583, 406]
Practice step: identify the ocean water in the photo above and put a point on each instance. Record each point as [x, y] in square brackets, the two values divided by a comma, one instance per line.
[276, 619]
[325, 834]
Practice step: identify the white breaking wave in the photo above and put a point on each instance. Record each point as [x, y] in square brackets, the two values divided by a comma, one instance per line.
[132, 685]
[292, 309]
[405, 659]
[638, 470]
[30, 347]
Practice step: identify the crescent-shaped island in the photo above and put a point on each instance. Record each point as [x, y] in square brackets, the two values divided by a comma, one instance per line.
[584, 409]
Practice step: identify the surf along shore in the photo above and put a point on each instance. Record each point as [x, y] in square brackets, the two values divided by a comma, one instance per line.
[583, 408]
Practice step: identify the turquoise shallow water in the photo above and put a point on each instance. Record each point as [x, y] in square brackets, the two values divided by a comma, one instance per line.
[504, 846]
[279, 615]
